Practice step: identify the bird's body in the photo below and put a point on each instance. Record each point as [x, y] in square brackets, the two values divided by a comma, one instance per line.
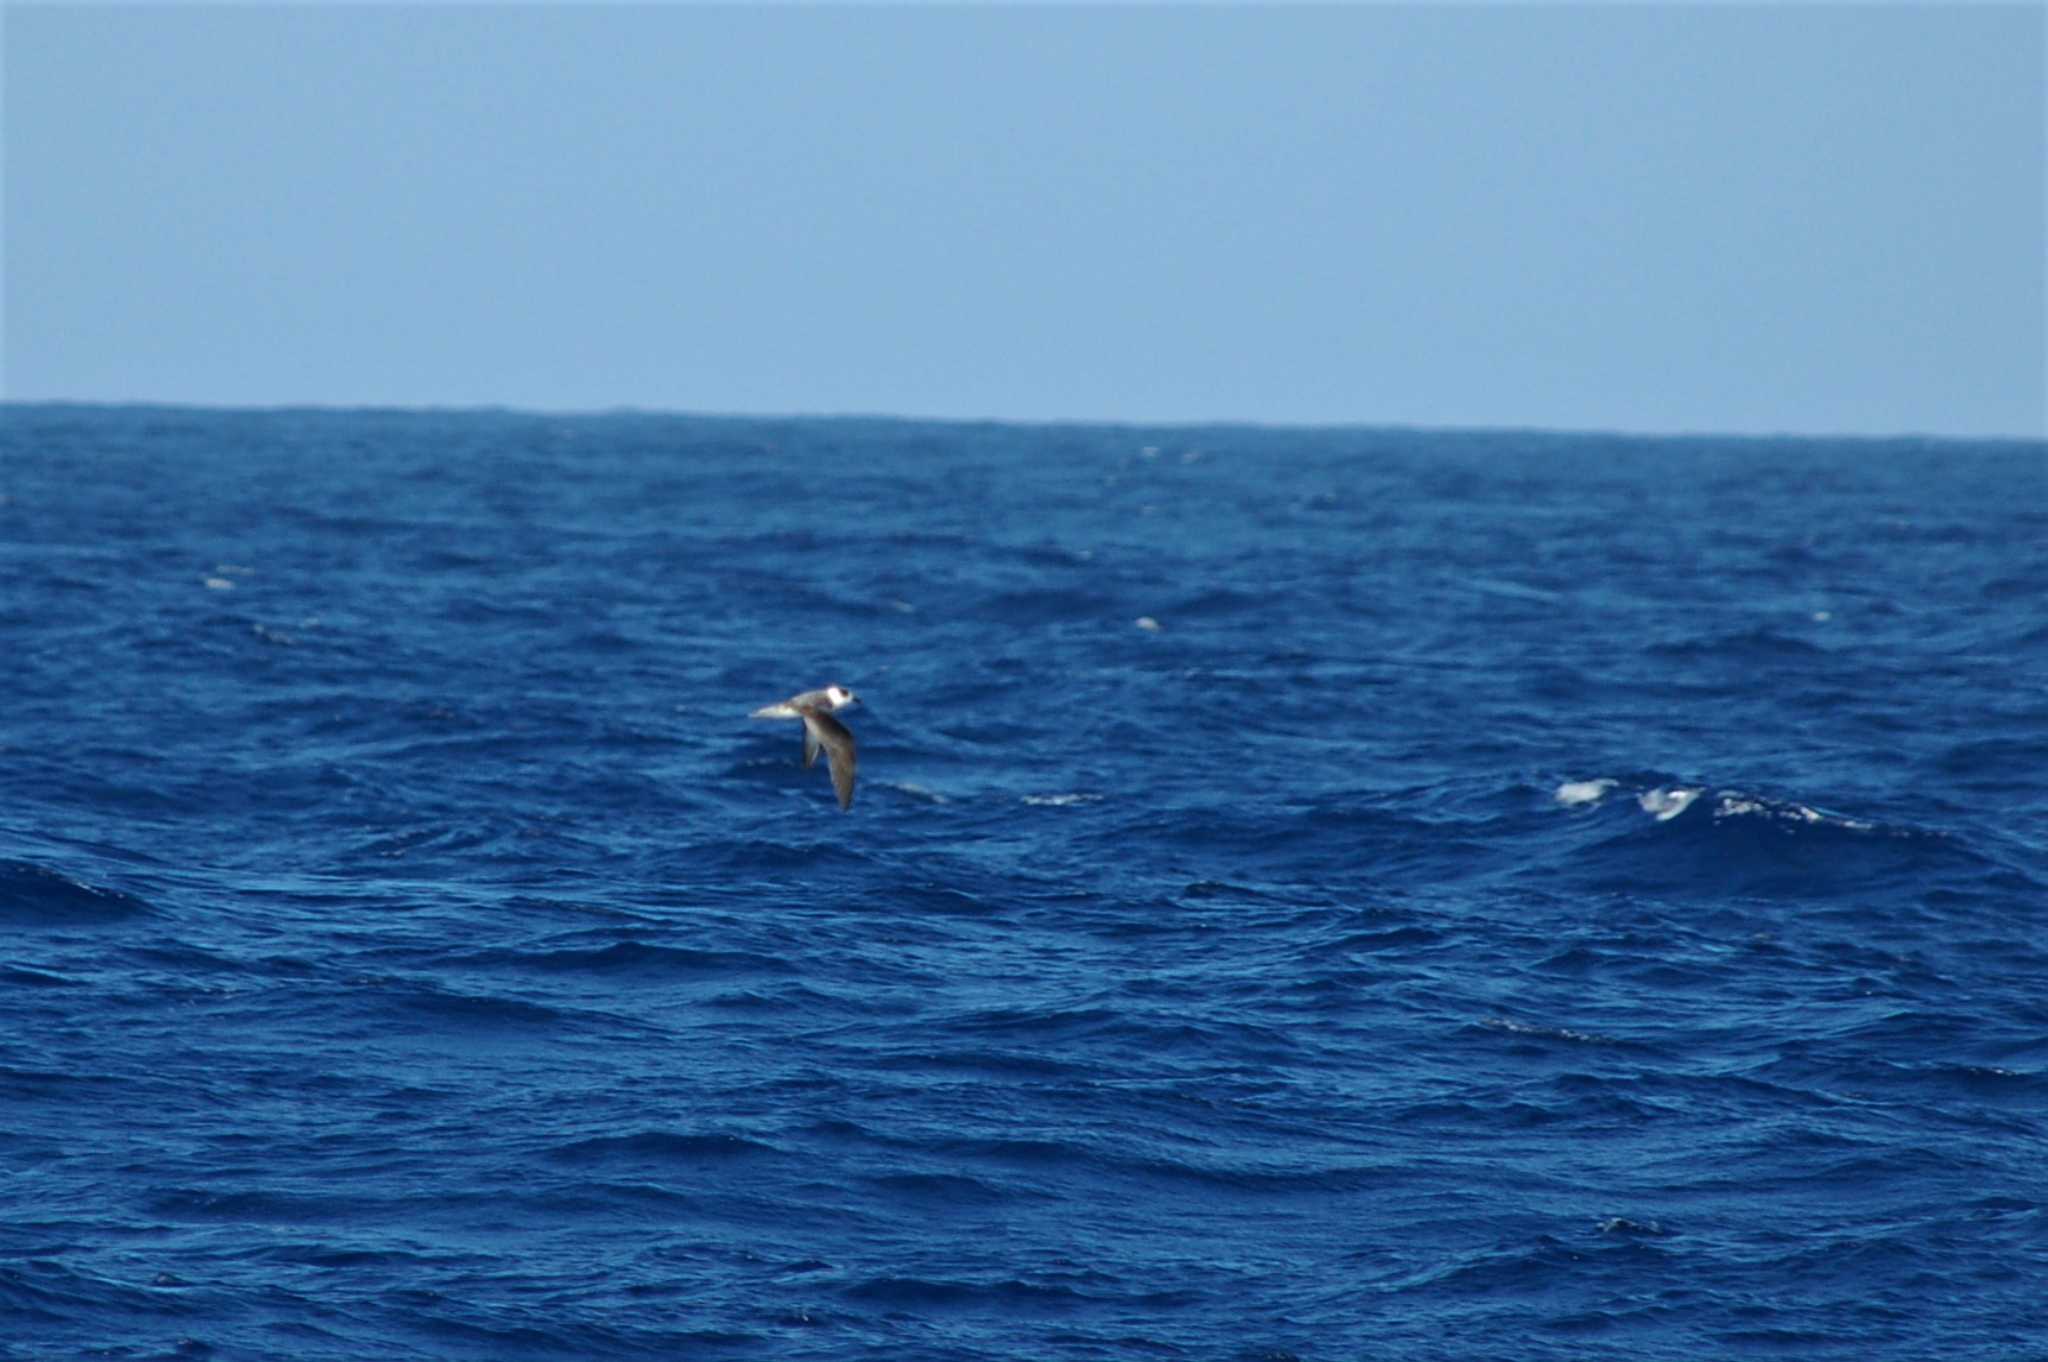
[822, 732]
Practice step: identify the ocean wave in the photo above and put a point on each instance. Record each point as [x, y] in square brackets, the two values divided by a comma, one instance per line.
[944, 1189]
[20, 976]
[35, 895]
[760, 856]
[1541, 1031]
[628, 958]
[1749, 647]
[1050, 605]
[1666, 800]
[660, 1146]
[1690, 834]
[261, 1205]
[1575, 794]
[926, 1293]
[450, 1007]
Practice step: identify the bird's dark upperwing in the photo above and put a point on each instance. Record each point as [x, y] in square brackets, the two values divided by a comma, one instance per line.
[822, 730]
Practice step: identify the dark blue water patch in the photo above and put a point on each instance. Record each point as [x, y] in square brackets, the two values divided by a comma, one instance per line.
[644, 961]
[943, 1190]
[2010, 764]
[660, 1147]
[1751, 648]
[33, 895]
[1002, 1297]
[401, 1001]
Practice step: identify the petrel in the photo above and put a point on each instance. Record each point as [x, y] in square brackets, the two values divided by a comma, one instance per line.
[821, 730]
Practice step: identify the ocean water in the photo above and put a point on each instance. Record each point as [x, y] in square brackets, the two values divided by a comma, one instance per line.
[1315, 894]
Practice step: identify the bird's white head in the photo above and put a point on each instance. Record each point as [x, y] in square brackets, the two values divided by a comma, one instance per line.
[840, 697]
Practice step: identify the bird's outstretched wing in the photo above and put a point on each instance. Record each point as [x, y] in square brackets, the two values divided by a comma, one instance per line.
[822, 730]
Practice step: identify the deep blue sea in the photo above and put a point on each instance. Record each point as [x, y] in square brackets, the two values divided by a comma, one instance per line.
[1310, 894]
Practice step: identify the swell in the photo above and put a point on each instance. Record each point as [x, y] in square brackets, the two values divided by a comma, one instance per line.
[34, 895]
[1670, 835]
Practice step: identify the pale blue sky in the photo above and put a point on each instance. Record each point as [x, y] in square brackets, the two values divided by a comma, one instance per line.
[1818, 219]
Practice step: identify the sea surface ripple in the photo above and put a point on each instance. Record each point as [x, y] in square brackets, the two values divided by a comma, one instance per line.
[1311, 894]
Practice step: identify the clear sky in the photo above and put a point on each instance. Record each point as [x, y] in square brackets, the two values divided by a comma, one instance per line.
[1700, 218]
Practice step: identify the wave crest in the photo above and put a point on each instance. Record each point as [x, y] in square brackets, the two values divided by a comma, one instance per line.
[32, 895]
[1682, 835]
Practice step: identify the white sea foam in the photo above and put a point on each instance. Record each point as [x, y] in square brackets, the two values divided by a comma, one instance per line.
[1574, 793]
[1522, 1028]
[1061, 801]
[1623, 1225]
[1667, 804]
[1733, 805]
[1147, 623]
[1736, 806]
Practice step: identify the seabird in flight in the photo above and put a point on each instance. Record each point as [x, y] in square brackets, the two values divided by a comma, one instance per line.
[822, 731]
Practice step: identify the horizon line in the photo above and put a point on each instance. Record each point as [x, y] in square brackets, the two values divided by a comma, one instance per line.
[1055, 422]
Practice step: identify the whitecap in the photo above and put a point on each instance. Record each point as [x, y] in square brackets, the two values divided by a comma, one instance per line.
[1574, 793]
[1522, 1028]
[1735, 805]
[1623, 1225]
[1667, 804]
[219, 584]
[1061, 801]
[1147, 623]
